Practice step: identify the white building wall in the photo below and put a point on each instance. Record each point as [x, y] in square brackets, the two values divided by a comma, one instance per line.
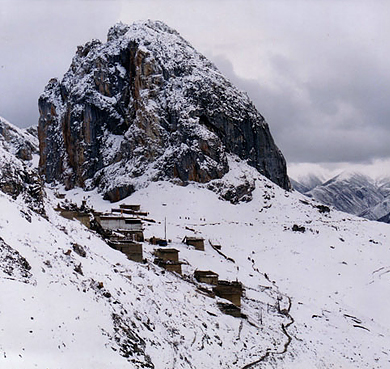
[118, 223]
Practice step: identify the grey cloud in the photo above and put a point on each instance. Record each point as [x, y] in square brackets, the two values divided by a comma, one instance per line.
[324, 78]
[38, 42]
[359, 81]
[337, 117]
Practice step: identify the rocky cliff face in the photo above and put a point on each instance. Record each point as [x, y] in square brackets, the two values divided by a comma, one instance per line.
[147, 106]
[18, 160]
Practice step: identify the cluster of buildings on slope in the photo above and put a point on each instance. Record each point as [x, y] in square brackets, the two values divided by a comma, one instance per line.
[123, 230]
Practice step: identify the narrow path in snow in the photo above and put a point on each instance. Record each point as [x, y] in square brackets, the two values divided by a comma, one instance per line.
[284, 327]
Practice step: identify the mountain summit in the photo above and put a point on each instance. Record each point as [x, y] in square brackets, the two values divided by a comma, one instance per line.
[146, 106]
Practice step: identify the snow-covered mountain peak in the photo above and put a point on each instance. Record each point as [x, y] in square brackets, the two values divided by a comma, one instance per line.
[140, 29]
[351, 175]
[147, 104]
[383, 181]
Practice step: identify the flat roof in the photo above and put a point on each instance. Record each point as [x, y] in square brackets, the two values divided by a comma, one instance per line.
[205, 272]
[167, 250]
[116, 217]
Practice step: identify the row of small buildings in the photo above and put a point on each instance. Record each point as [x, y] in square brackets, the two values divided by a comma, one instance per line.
[123, 229]
[168, 258]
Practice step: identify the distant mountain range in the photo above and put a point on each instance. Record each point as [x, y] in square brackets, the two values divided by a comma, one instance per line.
[351, 192]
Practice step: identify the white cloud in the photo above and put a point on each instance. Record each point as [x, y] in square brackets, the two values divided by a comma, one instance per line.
[376, 169]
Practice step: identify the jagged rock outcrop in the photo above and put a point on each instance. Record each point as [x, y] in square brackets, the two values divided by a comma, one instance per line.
[18, 175]
[13, 265]
[20, 143]
[146, 106]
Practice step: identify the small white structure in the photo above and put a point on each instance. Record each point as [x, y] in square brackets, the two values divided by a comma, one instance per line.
[115, 223]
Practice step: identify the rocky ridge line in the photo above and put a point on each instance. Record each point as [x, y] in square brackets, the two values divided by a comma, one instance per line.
[147, 106]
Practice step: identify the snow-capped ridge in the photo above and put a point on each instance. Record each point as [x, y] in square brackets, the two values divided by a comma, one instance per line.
[354, 192]
[348, 175]
[168, 108]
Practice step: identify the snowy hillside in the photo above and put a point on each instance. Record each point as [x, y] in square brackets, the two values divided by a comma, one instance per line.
[377, 211]
[144, 119]
[316, 285]
[383, 184]
[351, 192]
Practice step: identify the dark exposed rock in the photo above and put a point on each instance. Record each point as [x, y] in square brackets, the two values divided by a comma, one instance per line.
[297, 228]
[14, 265]
[147, 106]
[78, 269]
[18, 177]
[234, 193]
[385, 219]
[119, 192]
[131, 346]
[79, 250]
[323, 208]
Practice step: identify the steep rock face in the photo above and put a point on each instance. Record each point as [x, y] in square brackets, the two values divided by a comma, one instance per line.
[145, 106]
[18, 172]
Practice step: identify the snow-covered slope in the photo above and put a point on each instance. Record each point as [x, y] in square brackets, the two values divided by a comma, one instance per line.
[350, 191]
[383, 184]
[315, 297]
[377, 211]
[297, 186]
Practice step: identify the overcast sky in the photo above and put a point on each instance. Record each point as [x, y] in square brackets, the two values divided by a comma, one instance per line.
[317, 70]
